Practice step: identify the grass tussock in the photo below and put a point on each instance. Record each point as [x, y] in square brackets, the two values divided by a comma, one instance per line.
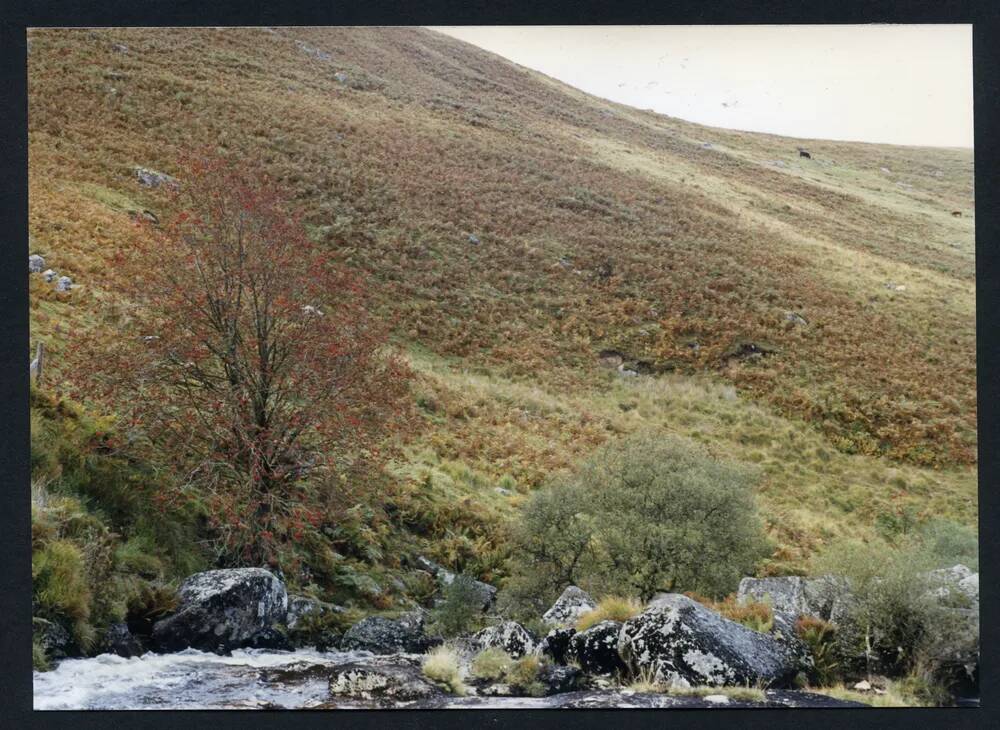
[442, 665]
[610, 608]
[491, 663]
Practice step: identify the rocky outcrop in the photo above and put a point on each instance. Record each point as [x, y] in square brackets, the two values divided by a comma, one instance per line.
[381, 635]
[680, 642]
[509, 636]
[792, 596]
[54, 639]
[569, 607]
[556, 645]
[596, 649]
[556, 679]
[222, 610]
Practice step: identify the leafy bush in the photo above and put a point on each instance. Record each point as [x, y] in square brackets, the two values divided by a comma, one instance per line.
[443, 666]
[610, 608]
[460, 611]
[948, 543]
[892, 623]
[647, 514]
[491, 663]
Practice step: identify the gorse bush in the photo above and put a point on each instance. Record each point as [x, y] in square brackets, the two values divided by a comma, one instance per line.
[646, 514]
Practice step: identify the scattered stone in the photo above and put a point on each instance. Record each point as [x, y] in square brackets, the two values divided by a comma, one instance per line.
[35, 264]
[503, 492]
[509, 636]
[381, 635]
[682, 643]
[341, 77]
[49, 275]
[119, 640]
[596, 649]
[64, 283]
[863, 686]
[706, 145]
[569, 607]
[311, 310]
[886, 170]
[314, 52]
[796, 319]
[222, 610]
[119, 48]
[473, 239]
[891, 286]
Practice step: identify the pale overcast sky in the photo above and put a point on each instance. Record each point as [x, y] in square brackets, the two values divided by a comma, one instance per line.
[898, 84]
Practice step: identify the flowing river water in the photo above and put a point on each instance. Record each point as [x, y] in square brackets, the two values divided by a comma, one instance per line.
[267, 679]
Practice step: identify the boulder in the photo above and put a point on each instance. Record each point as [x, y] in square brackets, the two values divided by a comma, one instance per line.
[556, 645]
[49, 275]
[153, 178]
[300, 606]
[509, 636]
[381, 682]
[119, 640]
[556, 679]
[792, 596]
[64, 283]
[381, 635]
[35, 264]
[596, 649]
[222, 610]
[269, 638]
[569, 607]
[55, 639]
[680, 642]
[796, 319]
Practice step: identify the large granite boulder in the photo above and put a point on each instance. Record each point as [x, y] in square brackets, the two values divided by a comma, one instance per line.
[596, 649]
[381, 635]
[556, 679]
[509, 636]
[119, 640]
[222, 610]
[568, 608]
[35, 264]
[791, 597]
[683, 643]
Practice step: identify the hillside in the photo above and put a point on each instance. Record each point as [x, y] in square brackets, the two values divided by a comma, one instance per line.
[812, 316]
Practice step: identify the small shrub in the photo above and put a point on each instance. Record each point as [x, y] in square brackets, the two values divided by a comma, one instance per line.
[523, 674]
[461, 611]
[39, 662]
[948, 543]
[610, 608]
[443, 667]
[491, 663]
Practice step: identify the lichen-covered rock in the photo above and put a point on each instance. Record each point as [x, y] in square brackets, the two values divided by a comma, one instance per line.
[569, 607]
[381, 635]
[35, 264]
[509, 636]
[792, 596]
[49, 275]
[119, 640]
[382, 682]
[269, 638]
[64, 283]
[54, 639]
[556, 679]
[684, 643]
[221, 610]
[596, 649]
[556, 645]
[301, 606]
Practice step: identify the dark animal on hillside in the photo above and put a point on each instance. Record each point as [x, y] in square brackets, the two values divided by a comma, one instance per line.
[803, 153]
[956, 213]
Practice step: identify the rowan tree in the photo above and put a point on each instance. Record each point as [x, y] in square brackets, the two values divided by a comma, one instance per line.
[250, 359]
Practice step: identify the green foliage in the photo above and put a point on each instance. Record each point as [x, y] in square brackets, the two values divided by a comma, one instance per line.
[610, 608]
[60, 583]
[491, 663]
[460, 611]
[819, 636]
[647, 514]
[39, 661]
[523, 674]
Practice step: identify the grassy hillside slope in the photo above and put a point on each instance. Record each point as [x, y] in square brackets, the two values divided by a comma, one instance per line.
[514, 228]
